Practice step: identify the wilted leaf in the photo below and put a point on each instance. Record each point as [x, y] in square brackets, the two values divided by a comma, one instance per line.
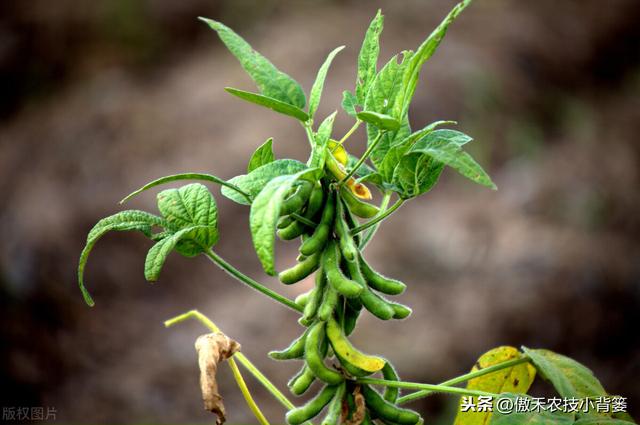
[359, 411]
[515, 379]
[122, 221]
[262, 156]
[212, 349]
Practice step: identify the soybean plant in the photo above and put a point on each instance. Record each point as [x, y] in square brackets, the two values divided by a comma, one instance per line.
[325, 205]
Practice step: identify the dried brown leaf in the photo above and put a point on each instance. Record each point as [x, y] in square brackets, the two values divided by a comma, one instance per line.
[358, 414]
[212, 349]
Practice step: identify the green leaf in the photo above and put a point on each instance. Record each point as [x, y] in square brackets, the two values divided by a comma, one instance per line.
[321, 138]
[368, 57]
[253, 182]
[349, 103]
[122, 221]
[445, 146]
[397, 150]
[318, 85]
[265, 211]
[416, 174]
[363, 171]
[516, 379]
[569, 378]
[543, 417]
[600, 420]
[263, 155]
[190, 207]
[424, 52]
[186, 176]
[158, 253]
[272, 82]
[271, 103]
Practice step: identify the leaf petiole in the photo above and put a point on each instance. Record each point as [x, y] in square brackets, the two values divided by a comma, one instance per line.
[429, 387]
[463, 378]
[363, 158]
[372, 231]
[220, 262]
[349, 133]
[377, 219]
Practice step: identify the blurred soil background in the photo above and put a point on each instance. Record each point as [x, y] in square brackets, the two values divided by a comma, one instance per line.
[101, 97]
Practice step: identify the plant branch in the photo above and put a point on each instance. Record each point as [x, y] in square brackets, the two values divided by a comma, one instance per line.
[219, 261]
[375, 220]
[430, 387]
[463, 378]
[303, 220]
[363, 158]
[242, 359]
[309, 131]
[372, 231]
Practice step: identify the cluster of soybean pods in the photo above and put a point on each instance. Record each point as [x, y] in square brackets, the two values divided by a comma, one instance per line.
[344, 284]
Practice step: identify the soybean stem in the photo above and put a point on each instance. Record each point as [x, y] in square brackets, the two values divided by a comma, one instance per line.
[466, 377]
[242, 359]
[309, 131]
[375, 220]
[363, 158]
[429, 387]
[220, 262]
[303, 220]
[372, 231]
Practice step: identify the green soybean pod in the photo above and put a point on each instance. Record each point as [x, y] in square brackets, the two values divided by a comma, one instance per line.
[316, 201]
[300, 382]
[292, 231]
[352, 222]
[294, 351]
[347, 245]
[400, 311]
[379, 282]
[334, 411]
[376, 305]
[300, 270]
[315, 357]
[356, 206]
[295, 202]
[323, 230]
[303, 298]
[329, 304]
[284, 221]
[389, 373]
[352, 369]
[316, 298]
[350, 318]
[384, 410]
[314, 406]
[331, 263]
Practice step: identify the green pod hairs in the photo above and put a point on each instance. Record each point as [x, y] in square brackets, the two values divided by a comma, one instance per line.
[314, 406]
[389, 373]
[379, 282]
[295, 202]
[347, 245]
[331, 263]
[301, 270]
[294, 351]
[384, 410]
[376, 305]
[329, 303]
[303, 298]
[320, 236]
[301, 381]
[316, 298]
[334, 411]
[315, 357]
[356, 206]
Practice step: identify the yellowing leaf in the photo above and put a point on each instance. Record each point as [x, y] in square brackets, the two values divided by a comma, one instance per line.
[338, 151]
[516, 379]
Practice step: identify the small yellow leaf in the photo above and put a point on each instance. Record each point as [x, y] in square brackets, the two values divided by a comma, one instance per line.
[338, 151]
[516, 379]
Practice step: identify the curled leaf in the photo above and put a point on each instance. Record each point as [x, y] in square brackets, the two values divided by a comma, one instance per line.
[359, 412]
[212, 349]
